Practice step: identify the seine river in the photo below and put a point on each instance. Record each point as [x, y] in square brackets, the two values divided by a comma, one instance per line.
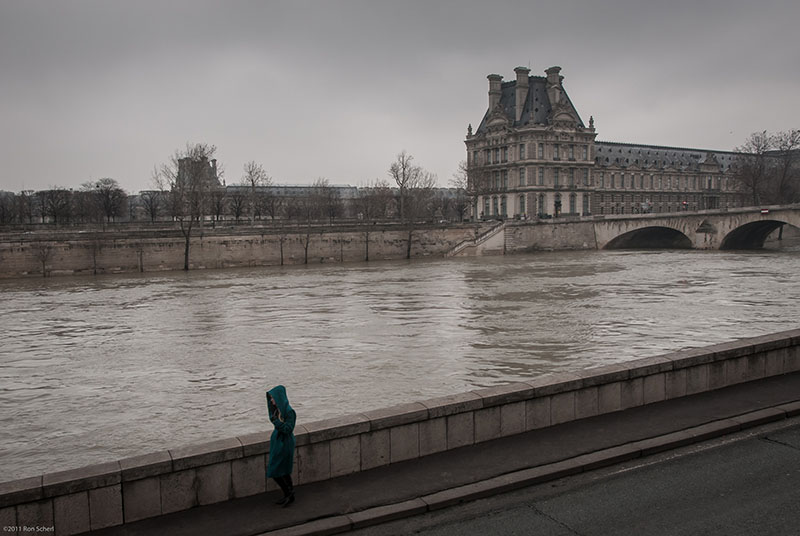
[94, 369]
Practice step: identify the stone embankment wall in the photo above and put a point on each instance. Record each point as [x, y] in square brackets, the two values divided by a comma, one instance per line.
[163, 482]
[550, 235]
[98, 252]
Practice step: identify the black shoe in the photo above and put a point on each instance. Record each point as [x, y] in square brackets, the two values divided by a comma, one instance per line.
[283, 500]
[288, 500]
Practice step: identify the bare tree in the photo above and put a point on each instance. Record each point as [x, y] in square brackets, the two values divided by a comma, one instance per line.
[26, 206]
[787, 164]
[7, 205]
[405, 174]
[84, 205]
[372, 203]
[56, 204]
[269, 203]
[442, 205]
[305, 208]
[108, 197]
[750, 168]
[415, 187]
[43, 251]
[255, 179]
[189, 176]
[218, 199]
[327, 202]
[474, 181]
[238, 201]
[151, 200]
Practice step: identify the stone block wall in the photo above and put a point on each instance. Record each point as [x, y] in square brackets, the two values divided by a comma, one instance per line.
[159, 483]
[73, 253]
[549, 235]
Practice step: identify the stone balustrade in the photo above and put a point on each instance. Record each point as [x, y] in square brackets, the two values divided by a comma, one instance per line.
[159, 483]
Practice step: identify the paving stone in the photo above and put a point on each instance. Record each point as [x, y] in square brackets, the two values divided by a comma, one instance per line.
[71, 513]
[314, 462]
[654, 388]
[460, 430]
[105, 507]
[249, 476]
[586, 402]
[487, 423]
[36, 514]
[214, 483]
[432, 436]
[562, 407]
[537, 413]
[609, 397]
[375, 449]
[512, 418]
[345, 456]
[404, 442]
[178, 491]
[141, 499]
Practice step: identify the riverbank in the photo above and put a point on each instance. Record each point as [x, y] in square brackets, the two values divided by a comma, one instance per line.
[93, 251]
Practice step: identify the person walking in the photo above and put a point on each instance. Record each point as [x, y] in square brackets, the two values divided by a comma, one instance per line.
[281, 442]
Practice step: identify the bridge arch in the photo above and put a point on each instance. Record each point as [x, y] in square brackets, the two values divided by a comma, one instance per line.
[750, 235]
[653, 237]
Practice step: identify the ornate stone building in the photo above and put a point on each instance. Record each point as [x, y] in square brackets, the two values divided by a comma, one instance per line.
[533, 156]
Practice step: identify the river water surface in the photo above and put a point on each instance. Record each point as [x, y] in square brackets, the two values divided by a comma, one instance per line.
[94, 369]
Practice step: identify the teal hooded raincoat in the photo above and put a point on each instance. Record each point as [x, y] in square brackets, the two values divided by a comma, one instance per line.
[281, 442]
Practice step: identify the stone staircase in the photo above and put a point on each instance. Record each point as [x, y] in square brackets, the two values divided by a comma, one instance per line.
[490, 242]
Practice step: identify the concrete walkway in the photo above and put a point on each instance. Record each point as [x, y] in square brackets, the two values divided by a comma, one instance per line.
[443, 479]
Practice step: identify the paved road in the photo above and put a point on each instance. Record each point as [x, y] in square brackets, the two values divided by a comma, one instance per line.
[747, 484]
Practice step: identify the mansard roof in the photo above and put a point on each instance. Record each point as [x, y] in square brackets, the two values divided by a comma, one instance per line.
[536, 108]
[609, 153]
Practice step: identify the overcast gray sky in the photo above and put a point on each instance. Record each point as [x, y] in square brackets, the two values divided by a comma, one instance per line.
[335, 89]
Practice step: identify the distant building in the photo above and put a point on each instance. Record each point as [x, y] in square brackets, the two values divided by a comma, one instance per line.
[205, 169]
[533, 156]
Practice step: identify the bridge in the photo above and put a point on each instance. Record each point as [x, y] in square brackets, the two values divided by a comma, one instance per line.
[737, 228]
[741, 228]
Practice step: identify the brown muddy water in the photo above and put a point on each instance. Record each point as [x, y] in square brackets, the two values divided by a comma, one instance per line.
[93, 369]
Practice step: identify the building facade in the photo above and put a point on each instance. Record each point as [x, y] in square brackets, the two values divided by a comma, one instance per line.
[532, 156]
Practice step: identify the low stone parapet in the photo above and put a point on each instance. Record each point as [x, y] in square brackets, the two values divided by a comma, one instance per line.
[159, 483]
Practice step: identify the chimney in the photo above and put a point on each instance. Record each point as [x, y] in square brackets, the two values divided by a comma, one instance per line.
[521, 90]
[494, 90]
[554, 85]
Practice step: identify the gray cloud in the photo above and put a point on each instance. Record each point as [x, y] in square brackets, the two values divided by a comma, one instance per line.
[337, 89]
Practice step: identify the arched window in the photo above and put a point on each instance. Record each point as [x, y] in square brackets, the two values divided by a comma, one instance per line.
[572, 202]
[585, 204]
[522, 204]
[495, 211]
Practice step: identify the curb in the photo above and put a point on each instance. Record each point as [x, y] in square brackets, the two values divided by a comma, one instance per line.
[537, 475]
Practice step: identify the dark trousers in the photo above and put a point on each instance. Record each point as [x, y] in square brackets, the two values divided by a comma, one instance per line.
[285, 483]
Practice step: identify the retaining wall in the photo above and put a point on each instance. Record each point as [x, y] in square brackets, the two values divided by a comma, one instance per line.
[72, 253]
[159, 483]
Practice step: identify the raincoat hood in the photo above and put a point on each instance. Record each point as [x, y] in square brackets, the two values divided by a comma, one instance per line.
[278, 394]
